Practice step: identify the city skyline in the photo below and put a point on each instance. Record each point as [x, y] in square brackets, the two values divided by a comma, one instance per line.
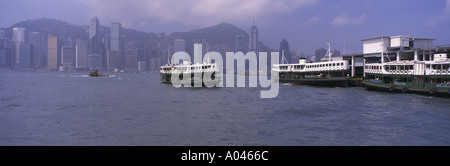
[305, 24]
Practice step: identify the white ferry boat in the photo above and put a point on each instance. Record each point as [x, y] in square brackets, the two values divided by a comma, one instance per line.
[330, 72]
[429, 77]
[194, 71]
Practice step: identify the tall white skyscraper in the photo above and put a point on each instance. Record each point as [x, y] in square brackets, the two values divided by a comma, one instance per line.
[18, 38]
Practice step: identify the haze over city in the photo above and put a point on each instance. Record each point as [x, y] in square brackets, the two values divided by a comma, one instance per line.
[305, 24]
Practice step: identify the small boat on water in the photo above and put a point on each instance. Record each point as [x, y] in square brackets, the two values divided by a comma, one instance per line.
[96, 74]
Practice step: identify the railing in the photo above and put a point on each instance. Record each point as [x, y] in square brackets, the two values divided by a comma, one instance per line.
[443, 85]
[440, 72]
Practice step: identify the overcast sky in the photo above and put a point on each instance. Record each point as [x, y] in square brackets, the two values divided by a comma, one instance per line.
[305, 24]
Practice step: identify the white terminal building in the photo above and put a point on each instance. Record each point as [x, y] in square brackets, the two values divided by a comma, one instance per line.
[395, 48]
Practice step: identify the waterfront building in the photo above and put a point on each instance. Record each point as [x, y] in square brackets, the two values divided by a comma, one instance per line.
[52, 57]
[94, 46]
[115, 36]
[67, 58]
[35, 42]
[81, 56]
[25, 55]
[5, 57]
[391, 49]
[113, 59]
[94, 61]
[18, 38]
[142, 66]
[130, 56]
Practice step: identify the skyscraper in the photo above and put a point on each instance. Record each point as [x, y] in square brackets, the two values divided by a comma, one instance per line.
[115, 49]
[239, 43]
[35, 41]
[284, 49]
[253, 45]
[25, 56]
[52, 52]
[180, 45]
[94, 61]
[320, 53]
[94, 46]
[81, 56]
[18, 38]
[67, 58]
[115, 36]
[5, 57]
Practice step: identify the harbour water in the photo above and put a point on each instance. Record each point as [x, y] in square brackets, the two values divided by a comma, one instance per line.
[136, 109]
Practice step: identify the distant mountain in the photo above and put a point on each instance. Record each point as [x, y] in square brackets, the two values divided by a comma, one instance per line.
[65, 30]
[221, 37]
[49, 26]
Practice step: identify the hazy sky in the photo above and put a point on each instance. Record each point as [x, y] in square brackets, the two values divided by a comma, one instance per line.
[305, 24]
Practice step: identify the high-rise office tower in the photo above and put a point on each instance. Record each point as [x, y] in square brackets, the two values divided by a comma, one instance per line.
[81, 56]
[284, 50]
[94, 61]
[320, 53]
[115, 36]
[67, 58]
[18, 38]
[94, 46]
[239, 43]
[35, 42]
[180, 45]
[2, 34]
[115, 49]
[52, 52]
[25, 55]
[253, 45]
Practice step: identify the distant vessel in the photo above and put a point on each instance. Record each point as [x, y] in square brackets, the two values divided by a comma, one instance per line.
[195, 72]
[330, 72]
[426, 77]
[96, 74]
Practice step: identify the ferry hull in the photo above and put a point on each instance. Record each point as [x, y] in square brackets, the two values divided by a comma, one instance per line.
[386, 87]
[331, 82]
[166, 79]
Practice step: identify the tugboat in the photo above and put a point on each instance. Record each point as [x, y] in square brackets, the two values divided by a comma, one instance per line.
[332, 72]
[96, 74]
